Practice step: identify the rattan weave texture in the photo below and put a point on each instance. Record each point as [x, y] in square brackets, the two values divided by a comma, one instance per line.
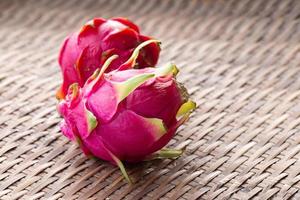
[240, 60]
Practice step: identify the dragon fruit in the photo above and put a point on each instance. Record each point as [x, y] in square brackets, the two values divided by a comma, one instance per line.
[87, 50]
[126, 115]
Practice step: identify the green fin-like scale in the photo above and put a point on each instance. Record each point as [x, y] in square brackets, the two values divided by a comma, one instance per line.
[186, 108]
[94, 75]
[159, 125]
[107, 64]
[120, 165]
[165, 153]
[75, 89]
[97, 75]
[91, 120]
[124, 88]
[170, 69]
[104, 67]
[185, 112]
[130, 63]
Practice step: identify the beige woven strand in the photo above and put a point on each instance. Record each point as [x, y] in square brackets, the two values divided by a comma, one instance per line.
[240, 61]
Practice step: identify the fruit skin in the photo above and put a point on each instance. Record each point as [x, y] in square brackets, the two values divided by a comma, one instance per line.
[126, 115]
[87, 50]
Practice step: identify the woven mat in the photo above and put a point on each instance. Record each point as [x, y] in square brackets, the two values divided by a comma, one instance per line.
[240, 61]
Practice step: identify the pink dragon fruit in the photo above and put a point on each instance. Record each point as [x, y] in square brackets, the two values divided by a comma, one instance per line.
[87, 50]
[126, 115]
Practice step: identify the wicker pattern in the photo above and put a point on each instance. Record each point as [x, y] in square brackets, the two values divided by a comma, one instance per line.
[240, 61]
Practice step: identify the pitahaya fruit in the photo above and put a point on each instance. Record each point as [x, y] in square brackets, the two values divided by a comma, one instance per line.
[85, 51]
[127, 115]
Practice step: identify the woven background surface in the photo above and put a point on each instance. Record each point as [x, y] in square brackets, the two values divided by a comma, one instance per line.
[240, 61]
